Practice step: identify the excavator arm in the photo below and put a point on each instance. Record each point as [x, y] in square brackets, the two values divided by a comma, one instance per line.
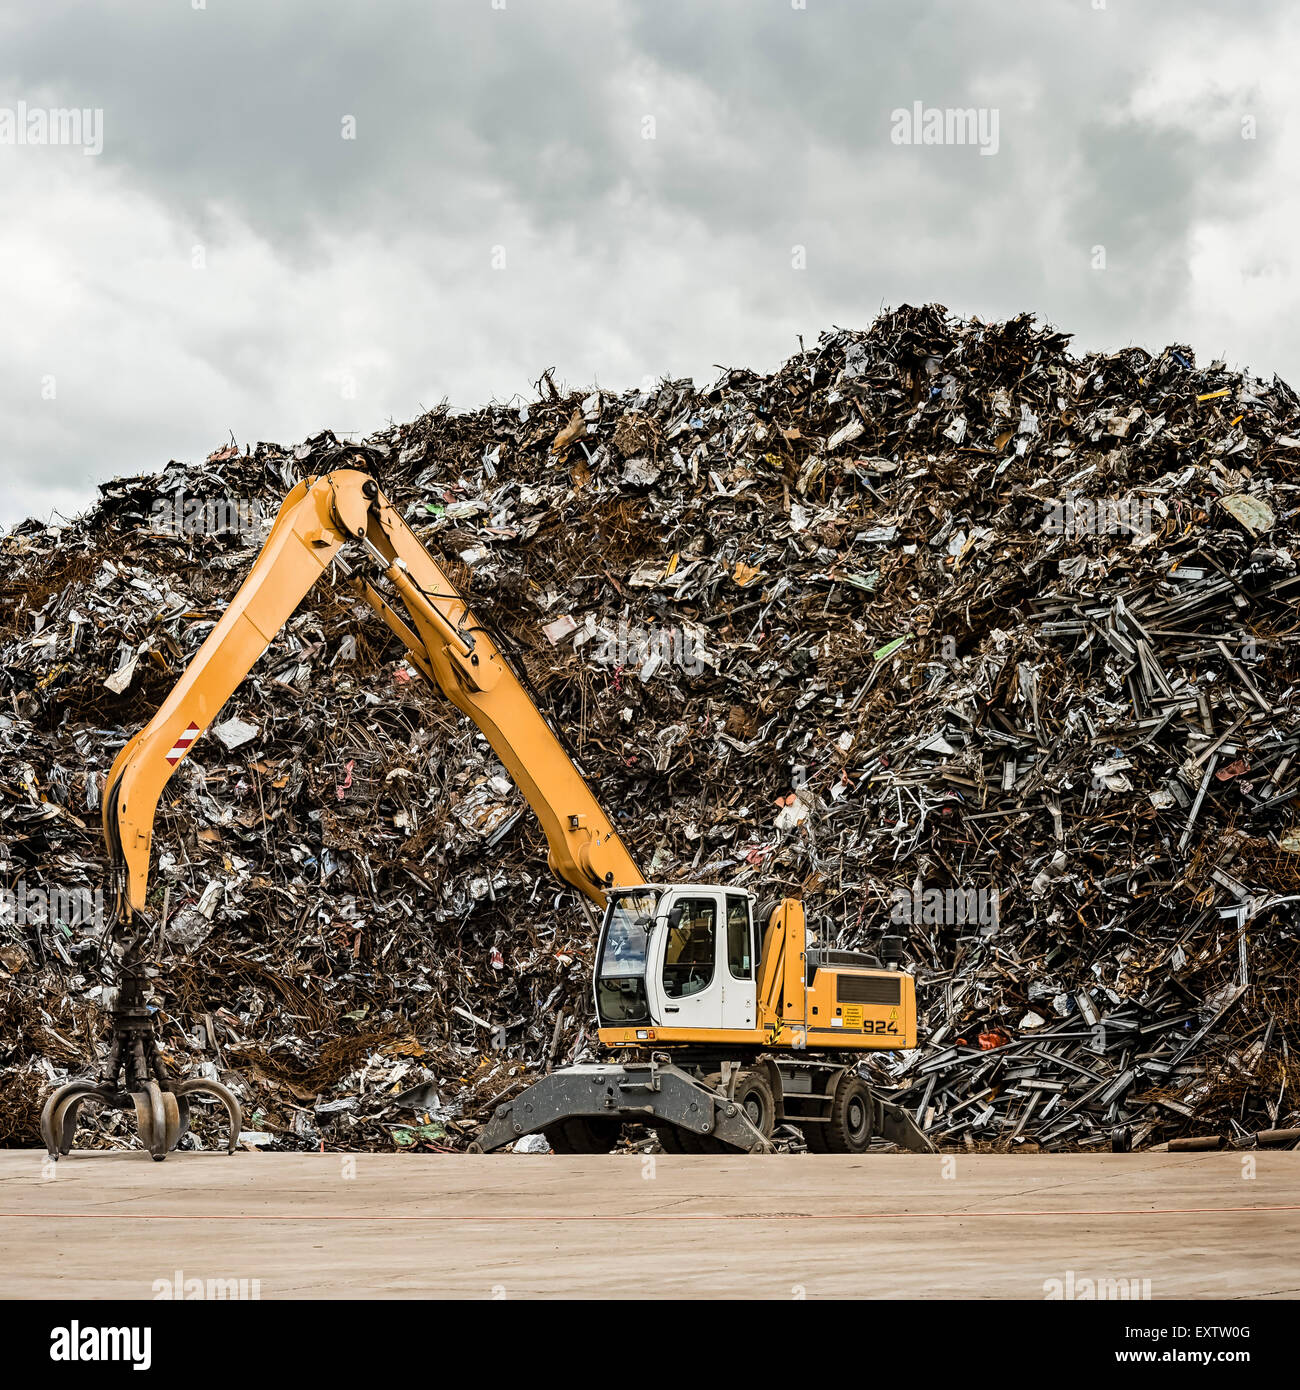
[444, 642]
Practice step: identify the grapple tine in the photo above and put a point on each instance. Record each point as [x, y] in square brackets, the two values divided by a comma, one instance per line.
[144, 1118]
[67, 1124]
[52, 1134]
[157, 1144]
[201, 1085]
[172, 1117]
[59, 1114]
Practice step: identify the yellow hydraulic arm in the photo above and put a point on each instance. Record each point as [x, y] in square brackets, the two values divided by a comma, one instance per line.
[445, 644]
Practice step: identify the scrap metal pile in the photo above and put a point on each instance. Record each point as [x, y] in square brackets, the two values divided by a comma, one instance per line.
[961, 637]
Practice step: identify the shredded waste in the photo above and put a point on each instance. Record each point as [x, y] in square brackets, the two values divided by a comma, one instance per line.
[964, 639]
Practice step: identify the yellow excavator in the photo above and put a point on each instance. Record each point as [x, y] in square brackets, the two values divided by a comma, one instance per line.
[721, 1020]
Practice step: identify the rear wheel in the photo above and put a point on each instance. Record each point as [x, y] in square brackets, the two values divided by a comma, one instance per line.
[584, 1134]
[852, 1119]
[754, 1095]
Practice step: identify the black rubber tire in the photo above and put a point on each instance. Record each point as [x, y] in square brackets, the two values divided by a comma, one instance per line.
[670, 1139]
[754, 1095]
[815, 1137]
[584, 1134]
[853, 1117]
[693, 1143]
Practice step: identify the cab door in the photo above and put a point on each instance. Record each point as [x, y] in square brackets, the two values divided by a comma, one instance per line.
[740, 986]
[691, 960]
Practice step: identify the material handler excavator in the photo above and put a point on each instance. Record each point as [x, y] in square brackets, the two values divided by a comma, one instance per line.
[720, 1020]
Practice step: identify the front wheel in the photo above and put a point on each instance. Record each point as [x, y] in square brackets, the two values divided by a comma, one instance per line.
[754, 1096]
[670, 1139]
[852, 1118]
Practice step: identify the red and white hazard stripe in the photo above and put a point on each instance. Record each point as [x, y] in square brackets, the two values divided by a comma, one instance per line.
[182, 744]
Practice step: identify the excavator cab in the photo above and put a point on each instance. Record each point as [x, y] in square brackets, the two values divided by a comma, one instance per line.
[680, 957]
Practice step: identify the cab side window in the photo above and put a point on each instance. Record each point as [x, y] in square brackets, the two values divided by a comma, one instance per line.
[740, 958]
[692, 947]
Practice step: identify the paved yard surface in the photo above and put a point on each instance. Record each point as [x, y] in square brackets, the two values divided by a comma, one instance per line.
[525, 1226]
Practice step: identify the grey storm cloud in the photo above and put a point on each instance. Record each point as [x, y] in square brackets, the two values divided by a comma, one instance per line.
[612, 189]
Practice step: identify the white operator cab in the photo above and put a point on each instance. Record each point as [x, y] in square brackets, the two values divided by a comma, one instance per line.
[678, 956]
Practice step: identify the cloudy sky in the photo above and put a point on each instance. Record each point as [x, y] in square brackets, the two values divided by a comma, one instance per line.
[316, 213]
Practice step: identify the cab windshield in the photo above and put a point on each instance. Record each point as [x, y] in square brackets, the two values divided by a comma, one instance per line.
[625, 942]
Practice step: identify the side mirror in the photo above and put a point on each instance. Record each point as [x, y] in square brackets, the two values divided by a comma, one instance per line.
[675, 917]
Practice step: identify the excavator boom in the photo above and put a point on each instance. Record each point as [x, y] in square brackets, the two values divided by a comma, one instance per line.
[444, 642]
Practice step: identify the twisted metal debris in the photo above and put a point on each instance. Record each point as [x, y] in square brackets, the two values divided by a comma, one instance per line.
[937, 614]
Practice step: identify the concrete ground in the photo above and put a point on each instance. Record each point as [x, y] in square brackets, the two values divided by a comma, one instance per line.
[525, 1226]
